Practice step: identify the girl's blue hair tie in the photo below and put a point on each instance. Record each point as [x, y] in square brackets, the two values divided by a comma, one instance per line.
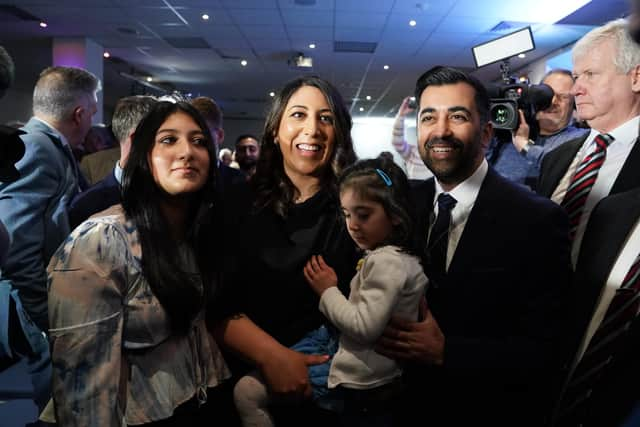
[384, 177]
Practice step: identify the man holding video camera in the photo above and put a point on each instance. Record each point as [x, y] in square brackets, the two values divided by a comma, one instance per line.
[520, 161]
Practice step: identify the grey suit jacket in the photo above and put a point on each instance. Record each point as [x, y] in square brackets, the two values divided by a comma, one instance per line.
[34, 211]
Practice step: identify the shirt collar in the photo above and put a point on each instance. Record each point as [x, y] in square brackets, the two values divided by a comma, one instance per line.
[466, 192]
[117, 172]
[626, 133]
[55, 131]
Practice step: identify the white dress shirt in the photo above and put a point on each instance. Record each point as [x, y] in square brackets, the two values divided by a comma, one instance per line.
[465, 194]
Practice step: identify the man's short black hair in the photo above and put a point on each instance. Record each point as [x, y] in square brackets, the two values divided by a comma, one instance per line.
[245, 136]
[440, 75]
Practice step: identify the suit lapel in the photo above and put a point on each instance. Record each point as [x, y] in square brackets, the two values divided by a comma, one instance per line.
[556, 163]
[629, 176]
[423, 193]
[478, 222]
[606, 233]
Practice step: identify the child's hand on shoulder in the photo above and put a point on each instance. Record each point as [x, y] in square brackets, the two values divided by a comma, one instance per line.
[319, 275]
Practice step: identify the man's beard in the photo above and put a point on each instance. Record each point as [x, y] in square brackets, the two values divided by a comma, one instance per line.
[248, 163]
[454, 170]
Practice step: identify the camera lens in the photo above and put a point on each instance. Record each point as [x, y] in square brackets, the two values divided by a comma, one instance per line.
[501, 114]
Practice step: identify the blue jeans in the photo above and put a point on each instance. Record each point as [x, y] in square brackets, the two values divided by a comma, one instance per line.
[320, 341]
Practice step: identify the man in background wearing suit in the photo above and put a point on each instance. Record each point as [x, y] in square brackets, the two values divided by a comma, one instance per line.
[602, 385]
[579, 173]
[34, 207]
[497, 257]
[99, 164]
[212, 114]
[105, 193]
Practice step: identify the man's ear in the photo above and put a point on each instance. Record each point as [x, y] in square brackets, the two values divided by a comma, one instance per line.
[487, 134]
[635, 78]
[77, 114]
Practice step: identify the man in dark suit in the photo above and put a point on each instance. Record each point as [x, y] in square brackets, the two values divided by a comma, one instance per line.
[607, 394]
[611, 245]
[483, 354]
[34, 209]
[208, 108]
[606, 69]
[106, 192]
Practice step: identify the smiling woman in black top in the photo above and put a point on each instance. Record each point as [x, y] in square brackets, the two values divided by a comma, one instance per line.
[292, 213]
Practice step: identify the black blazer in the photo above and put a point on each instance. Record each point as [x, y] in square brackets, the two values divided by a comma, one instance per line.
[556, 163]
[102, 195]
[499, 309]
[609, 226]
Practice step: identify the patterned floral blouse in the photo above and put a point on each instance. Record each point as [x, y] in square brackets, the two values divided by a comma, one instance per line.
[115, 361]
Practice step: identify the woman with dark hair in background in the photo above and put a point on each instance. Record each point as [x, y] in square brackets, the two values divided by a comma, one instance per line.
[293, 213]
[127, 289]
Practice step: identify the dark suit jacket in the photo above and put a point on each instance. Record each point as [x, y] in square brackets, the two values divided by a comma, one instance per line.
[499, 309]
[228, 177]
[556, 163]
[102, 195]
[609, 225]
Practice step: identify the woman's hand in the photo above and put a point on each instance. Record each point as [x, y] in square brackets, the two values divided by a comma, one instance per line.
[319, 275]
[286, 372]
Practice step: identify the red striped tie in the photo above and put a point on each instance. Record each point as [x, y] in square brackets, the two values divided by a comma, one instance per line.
[582, 182]
[608, 340]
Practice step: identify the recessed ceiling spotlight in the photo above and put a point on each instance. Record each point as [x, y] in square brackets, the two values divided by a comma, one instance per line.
[386, 67]
[412, 23]
[244, 62]
[43, 24]
[272, 94]
[368, 98]
[361, 108]
[106, 54]
[312, 46]
[149, 79]
[205, 17]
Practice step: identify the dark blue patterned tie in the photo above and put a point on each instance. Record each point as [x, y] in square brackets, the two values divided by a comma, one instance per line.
[439, 240]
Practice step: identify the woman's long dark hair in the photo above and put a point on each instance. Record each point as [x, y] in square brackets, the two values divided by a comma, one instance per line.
[382, 181]
[177, 290]
[273, 187]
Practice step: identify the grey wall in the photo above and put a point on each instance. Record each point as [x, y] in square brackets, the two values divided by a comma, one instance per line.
[234, 127]
[29, 59]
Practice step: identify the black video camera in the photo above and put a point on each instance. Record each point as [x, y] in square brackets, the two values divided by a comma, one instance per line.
[507, 98]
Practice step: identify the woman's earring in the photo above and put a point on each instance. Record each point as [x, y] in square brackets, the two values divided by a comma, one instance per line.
[275, 140]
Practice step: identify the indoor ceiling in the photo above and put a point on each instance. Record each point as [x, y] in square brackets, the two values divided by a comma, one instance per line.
[354, 39]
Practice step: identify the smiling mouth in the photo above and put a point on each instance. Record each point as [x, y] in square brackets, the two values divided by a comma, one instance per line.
[442, 149]
[308, 147]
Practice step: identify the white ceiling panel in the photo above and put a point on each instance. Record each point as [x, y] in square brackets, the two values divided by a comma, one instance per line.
[294, 18]
[371, 5]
